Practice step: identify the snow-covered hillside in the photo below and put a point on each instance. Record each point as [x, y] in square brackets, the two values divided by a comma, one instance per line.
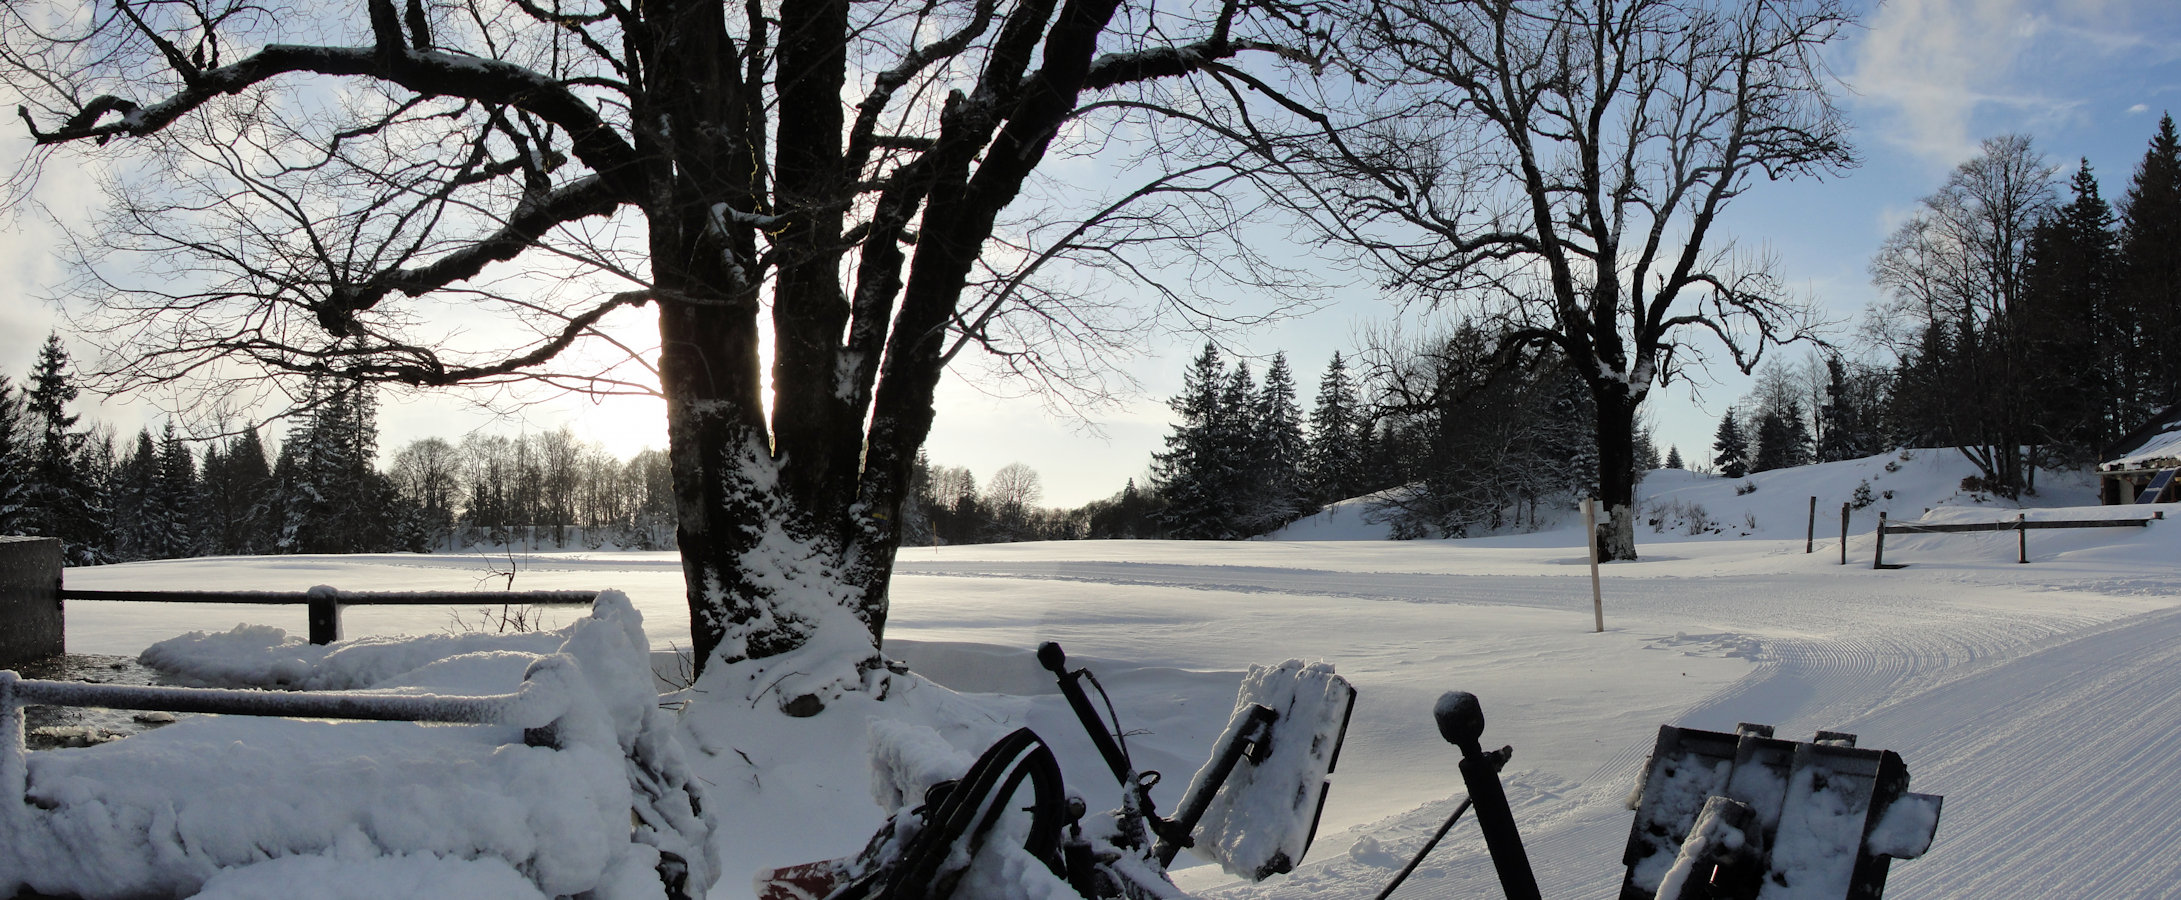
[1677, 503]
[2037, 698]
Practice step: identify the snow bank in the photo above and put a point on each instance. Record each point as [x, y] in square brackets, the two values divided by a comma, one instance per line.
[245, 807]
[265, 656]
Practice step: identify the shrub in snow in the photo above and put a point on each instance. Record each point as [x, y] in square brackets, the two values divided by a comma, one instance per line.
[1747, 487]
[248, 807]
[1862, 496]
[1683, 517]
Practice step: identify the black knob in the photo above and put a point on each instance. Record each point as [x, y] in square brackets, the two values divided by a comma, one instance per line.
[1461, 720]
[1050, 656]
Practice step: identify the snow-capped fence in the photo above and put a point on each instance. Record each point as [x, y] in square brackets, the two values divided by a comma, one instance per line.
[571, 783]
[2021, 526]
[533, 707]
[326, 602]
[30, 606]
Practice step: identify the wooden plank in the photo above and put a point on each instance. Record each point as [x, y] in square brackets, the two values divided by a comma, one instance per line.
[346, 598]
[1956, 527]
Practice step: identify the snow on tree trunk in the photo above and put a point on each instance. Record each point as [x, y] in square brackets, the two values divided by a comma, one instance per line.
[1616, 410]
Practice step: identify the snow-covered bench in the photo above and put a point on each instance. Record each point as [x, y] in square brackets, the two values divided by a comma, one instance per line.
[569, 783]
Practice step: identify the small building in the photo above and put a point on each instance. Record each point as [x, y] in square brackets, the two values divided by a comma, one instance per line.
[2145, 459]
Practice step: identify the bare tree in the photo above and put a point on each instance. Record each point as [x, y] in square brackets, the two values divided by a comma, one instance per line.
[348, 195]
[1012, 495]
[1562, 166]
[1955, 276]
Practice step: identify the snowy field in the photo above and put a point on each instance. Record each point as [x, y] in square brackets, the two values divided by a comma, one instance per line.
[2040, 699]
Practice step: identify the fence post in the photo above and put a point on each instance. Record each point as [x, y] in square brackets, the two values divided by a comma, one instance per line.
[14, 767]
[31, 617]
[2022, 537]
[1809, 536]
[1843, 534]
[325, 614]
[1590, 529]
[1878, 553]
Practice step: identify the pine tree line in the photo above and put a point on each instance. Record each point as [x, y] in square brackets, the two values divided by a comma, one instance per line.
[157, 498]
[1446, 437]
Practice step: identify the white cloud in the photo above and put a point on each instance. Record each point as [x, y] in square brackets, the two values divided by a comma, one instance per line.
[1930, 63]
[2139, 109]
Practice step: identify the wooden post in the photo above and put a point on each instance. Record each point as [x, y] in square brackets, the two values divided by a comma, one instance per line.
[325, 614]
[1590, 530]
[1809, 536]
[2022, 537]
[1843, 534]
[1878, 553]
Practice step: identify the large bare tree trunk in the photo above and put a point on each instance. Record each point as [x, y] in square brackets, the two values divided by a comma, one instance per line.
[1616, 414]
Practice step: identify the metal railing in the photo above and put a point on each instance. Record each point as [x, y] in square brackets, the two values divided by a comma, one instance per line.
[326, 602]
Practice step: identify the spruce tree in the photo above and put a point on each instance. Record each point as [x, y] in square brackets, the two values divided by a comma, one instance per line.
[179, 507]
[1673, 458]
[64, 503]
[1332, 455]
[1276, 471]
[2150, 272]
[2073, 337]
[1190, 476]
[134, 501]
[1730, 450]
[15, 460]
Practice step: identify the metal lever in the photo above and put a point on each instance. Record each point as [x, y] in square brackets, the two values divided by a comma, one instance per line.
[1461, 722]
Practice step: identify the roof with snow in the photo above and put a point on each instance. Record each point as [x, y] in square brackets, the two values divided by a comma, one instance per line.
[2156, 444]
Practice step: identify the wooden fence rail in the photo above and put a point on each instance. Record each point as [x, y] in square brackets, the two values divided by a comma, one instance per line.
[2021, 526]
[325, 602]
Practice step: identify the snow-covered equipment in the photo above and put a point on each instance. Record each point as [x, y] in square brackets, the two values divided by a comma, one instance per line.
[1257, 820]
[1751, 817]
[1254, 807]
[1461, 721]
[571, 783]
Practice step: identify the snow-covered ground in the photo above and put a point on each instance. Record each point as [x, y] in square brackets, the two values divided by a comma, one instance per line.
[2039, 699]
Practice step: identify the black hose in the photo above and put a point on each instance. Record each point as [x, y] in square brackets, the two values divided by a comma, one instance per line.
[1420, 854]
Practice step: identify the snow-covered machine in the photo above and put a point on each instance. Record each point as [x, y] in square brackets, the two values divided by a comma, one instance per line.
[1719, 817]
[1751, 817]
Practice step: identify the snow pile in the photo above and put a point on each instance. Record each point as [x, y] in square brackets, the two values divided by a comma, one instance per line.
[265, 656]
[246, 807]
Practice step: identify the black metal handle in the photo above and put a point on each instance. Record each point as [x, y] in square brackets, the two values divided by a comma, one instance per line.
[1461, 722]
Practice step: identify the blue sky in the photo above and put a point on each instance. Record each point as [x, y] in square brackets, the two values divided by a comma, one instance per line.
[1924, 82]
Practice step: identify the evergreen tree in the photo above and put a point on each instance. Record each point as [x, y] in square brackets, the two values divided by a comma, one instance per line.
[237, 496]
[331, 499]
[1730, 451]
[1673, 458]
[2150, 273]
[15, 460]
[1851, 413]
[2074, 349]
[1333, 461]
[176, 509]
[132, 521]
[1277, 464]
[64, 502]
[1193, 474]
[1774, 450]
[1647, 458]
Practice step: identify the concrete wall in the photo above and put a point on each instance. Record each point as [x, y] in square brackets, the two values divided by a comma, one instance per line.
[30, 600]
